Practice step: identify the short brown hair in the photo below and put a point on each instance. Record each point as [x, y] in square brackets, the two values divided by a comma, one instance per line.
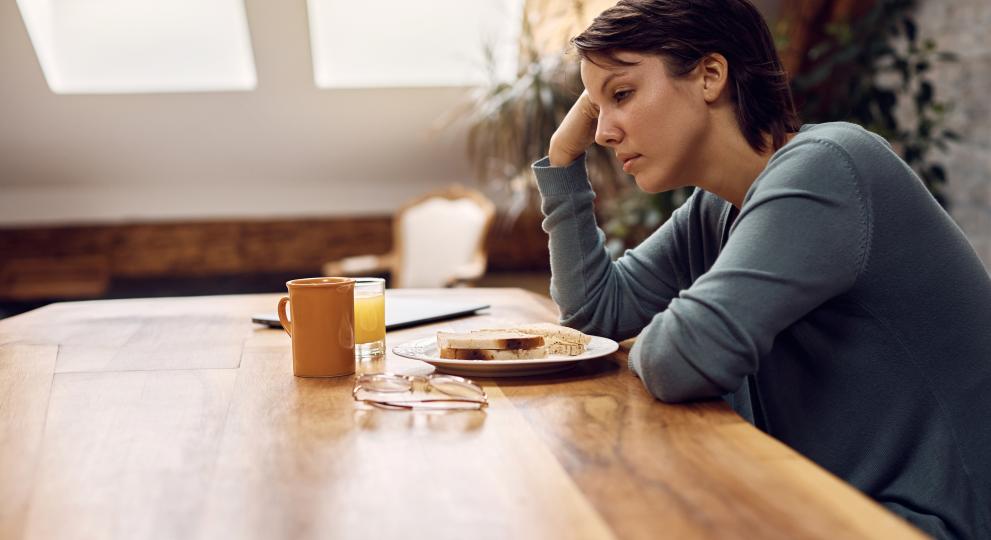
[682, 32]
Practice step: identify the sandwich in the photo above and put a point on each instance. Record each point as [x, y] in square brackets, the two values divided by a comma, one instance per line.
[490, 345]
[558, 339]
[523, 342]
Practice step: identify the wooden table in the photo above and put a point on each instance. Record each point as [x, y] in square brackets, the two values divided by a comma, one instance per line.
[178, 418]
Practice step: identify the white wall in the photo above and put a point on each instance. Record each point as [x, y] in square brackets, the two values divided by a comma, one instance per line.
[286, 149]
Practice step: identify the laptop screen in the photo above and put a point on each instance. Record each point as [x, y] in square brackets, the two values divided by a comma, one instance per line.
[403, 312]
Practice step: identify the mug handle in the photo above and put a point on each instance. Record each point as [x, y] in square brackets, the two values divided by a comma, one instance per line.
[286, 323]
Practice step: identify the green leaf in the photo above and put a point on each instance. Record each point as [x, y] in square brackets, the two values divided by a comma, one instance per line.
[910, 29]
[924, 95]
[817, 76]
[819, 50]
[938, 173]
[847, 53]
[901, 66]
[912, 154]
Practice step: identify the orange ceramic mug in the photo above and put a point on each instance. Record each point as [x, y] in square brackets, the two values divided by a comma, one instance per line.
[321, 326]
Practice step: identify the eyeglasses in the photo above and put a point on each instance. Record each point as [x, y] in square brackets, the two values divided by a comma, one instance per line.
[393, 391]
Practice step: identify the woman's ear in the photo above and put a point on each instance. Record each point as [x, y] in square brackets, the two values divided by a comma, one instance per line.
[715, 74]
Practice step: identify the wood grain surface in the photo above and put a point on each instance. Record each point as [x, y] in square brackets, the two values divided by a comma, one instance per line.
[178, 418]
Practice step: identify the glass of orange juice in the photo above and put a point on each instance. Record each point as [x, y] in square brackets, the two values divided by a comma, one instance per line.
[369, 317]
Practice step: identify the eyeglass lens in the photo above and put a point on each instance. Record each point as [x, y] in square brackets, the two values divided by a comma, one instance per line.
[449, 385]
[455, 387]
[385, 383]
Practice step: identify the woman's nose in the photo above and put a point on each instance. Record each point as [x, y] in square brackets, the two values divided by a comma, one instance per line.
[607, 133]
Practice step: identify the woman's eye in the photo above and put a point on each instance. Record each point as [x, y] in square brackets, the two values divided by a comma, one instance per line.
[621, 95]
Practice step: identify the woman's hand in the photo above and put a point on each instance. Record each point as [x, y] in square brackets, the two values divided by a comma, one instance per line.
[575, 134]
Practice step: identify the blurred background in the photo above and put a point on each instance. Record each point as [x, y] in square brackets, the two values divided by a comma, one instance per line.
[153, 148]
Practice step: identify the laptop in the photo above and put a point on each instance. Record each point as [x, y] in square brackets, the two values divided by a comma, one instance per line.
[403, 312]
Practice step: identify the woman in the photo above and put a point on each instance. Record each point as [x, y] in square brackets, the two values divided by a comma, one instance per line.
[811, 280]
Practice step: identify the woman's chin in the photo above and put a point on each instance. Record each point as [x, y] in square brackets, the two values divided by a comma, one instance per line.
[652, 184]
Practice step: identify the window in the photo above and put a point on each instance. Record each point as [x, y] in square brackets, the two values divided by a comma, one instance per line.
[125, 46]
[410, 43]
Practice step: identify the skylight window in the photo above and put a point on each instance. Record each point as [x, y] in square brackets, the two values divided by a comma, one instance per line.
[402, 43]
[126, 46]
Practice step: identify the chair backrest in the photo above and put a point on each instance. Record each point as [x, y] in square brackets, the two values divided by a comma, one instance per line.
[439, 233]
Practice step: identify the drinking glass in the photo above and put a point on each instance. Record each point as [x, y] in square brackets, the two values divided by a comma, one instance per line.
[369, 317]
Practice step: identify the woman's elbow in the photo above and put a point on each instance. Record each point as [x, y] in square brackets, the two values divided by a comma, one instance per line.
[674, 385]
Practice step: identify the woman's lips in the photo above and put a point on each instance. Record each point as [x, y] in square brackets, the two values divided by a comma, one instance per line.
[628, 163]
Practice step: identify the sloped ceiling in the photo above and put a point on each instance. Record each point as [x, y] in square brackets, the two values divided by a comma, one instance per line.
[285, 149]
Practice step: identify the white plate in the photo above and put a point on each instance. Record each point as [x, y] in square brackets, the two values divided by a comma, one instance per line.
[426, 350]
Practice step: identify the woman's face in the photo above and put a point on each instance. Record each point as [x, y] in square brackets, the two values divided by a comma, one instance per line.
[655, 123]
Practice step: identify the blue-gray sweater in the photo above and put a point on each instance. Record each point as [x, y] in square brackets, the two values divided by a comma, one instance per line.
[840, 309]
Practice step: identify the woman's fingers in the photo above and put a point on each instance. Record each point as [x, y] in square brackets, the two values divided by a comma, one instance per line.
[575, 134]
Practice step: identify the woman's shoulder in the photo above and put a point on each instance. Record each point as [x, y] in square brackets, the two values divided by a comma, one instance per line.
[832, 160]
[855, 142]
[832, 149]
[838, 132]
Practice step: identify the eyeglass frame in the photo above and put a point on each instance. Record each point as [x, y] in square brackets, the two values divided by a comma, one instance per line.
[481, 402]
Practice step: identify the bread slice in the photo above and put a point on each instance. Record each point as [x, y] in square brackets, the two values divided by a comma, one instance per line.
[493, 354]
[489, 340]
[567, 349]
[558, 339]
[559, 333]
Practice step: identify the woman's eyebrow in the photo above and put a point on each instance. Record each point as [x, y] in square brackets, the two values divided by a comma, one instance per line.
[611, 76]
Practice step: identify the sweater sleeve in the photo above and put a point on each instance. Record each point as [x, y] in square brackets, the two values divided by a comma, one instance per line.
[801, 238]
[596, 295]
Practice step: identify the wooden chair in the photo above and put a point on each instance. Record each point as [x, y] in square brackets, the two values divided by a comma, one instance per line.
[438, 241]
